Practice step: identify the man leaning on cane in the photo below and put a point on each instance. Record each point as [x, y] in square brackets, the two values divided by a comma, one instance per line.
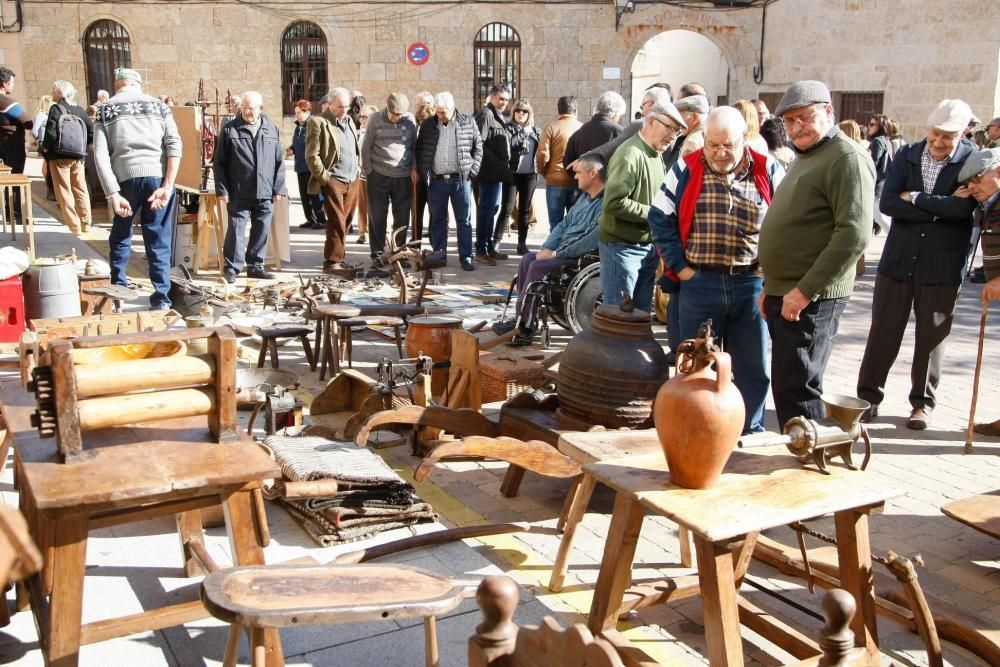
[980, 179]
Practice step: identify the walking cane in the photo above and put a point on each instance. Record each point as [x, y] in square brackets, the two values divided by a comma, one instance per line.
[975, 382]
[417, 233]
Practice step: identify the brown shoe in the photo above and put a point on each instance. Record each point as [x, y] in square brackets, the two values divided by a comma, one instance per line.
[498, 255]
[991, 429]
[919, 419]
[485, 259]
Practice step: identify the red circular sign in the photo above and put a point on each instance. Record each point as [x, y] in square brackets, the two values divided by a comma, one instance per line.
[418, 53]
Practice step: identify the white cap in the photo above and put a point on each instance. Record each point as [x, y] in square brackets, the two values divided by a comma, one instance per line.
[950, 116]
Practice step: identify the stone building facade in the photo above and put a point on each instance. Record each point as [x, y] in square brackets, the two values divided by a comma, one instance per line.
[856, 46]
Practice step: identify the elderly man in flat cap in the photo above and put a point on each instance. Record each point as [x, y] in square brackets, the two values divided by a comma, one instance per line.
[980, 179]
[923, 261]
[628, 259]
[817, 226]
[694, 110]
[387, 160]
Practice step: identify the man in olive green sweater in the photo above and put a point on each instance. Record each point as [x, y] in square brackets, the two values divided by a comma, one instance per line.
[628, 258]
[816, 228]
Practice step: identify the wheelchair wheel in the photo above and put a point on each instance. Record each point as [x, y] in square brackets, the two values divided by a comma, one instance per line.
[583, 297]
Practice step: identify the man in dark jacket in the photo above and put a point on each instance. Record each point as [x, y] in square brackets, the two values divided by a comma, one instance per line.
[923, 262]
[599, 130]
[449, 153]
[249, 171]
[14, 120]
[495, 178]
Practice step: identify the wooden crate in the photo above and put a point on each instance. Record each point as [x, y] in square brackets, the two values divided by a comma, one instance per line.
[505, 375]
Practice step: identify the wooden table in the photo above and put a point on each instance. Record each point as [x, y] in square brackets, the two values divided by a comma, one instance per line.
[18, 186]
[138, 472]
[760, 489]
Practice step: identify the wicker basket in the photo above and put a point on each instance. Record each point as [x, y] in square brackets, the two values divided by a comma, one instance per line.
[505, 375]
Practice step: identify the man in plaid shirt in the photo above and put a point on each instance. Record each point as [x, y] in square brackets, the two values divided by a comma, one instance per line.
[705, 222]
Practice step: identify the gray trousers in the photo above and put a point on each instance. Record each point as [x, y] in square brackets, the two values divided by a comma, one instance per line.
[934, 309]
[383, 190]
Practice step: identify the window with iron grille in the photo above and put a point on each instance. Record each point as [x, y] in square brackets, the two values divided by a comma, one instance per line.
[860, 106]
[106, 47]
[303, 65]
[497, 59]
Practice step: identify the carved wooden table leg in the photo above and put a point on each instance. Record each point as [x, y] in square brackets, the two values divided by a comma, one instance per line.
[246, 549]
[616, 565]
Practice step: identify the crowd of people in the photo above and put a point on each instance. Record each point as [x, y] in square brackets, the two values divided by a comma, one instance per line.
[755, 221]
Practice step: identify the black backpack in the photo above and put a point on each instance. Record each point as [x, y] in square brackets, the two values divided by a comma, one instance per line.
[71, 135]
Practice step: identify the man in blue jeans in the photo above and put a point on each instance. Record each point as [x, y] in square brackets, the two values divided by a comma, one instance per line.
[449, 152]
[249, 167]
[560, 191]
[496, 180]
[705, 222]
[137, 151]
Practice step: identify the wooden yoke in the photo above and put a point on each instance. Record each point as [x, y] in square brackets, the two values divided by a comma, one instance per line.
[74, 397]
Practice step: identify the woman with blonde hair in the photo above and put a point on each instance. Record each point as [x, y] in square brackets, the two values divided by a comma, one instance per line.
[852, 131]
[749, 112]
[523, 145]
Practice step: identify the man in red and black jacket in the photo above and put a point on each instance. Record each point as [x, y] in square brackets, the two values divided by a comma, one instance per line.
[705, 222]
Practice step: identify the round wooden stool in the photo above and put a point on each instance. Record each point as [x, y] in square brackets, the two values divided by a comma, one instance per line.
[256, 598]
[269, 343]
[369, 321]
[327, 316]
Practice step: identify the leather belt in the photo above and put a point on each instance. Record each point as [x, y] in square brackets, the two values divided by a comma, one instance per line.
[447, 177]
[728, 269]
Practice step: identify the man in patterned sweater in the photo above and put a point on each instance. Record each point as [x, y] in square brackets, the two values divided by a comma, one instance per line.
[705, 222]
[138, 151]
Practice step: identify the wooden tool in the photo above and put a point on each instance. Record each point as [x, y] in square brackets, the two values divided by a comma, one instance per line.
[77, 398]
[975, 382]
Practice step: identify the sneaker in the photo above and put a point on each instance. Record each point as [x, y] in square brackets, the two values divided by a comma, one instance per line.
[362, 239]
[498, 255]
[522, 339]
[259, 272]
[467, 265]
[919, 419]
[978, 275]
[485, 259]
[500, 327]
[229, 276]
[870, 414]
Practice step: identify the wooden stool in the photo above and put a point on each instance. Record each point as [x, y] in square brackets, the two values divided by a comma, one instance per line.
[269, 343]
[213, 219]
[105, 299]
[328, 316]
[259, 598]
[17, 186]
[347, 325]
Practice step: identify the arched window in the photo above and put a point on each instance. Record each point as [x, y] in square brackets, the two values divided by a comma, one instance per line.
[106, 47]
[497, 59]
[303, 65]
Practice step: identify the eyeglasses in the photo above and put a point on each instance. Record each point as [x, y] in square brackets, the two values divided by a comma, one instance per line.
[520, 111]
[975, 179]
[801, 120]
[673, 130]
[872, 123]
[713, 147]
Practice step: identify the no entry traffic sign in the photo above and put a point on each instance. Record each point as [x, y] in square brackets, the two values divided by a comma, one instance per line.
[418, 53]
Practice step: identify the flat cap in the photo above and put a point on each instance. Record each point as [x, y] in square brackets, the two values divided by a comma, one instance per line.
[696, 103]
[127, 74]
[950, 116]
[397, 103]
[325, 99]
[979, 162]
[802, 94]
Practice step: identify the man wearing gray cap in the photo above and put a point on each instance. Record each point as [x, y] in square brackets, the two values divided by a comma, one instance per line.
[980, 179]
[817, 226]
[693, 109]
[628, 259]
[387, 160]
[137, 150]
[923, 261]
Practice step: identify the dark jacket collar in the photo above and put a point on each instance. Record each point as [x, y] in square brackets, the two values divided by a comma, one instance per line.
[960, 154]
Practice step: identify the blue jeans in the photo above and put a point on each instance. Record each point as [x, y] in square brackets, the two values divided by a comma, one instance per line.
[558, 199]
[628, 268]
[157, 236]
[799, 352]
[489, 204]
[439, 192]
[731, 303]
[258, 213]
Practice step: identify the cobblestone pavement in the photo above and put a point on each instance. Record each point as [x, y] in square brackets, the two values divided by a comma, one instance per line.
[930, 467]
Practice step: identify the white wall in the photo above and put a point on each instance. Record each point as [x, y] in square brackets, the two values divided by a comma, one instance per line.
[678, 57]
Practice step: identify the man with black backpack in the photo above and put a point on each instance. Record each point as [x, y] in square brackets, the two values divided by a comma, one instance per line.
[68, 132]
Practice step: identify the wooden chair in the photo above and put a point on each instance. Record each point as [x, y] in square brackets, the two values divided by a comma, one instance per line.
[498, 642]
[258, 598]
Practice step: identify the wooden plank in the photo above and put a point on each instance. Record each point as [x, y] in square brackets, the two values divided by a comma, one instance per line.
[584, 489]
[154, 619]
[189, 126]
[616, 564]
[981, 512]
[223, 423]
[66, 602]
[854, 553]
[718, 600]
[777, 632]
[465, 355]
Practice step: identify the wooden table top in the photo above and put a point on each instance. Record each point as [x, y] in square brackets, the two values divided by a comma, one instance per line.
[760, 488]
[171, 459]
[981, 512]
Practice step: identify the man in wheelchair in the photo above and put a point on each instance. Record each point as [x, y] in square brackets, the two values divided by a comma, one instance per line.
[571, 239]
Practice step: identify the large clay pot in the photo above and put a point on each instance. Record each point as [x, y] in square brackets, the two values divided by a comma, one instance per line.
[699, 414]
[431, 335]
[609, 374]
